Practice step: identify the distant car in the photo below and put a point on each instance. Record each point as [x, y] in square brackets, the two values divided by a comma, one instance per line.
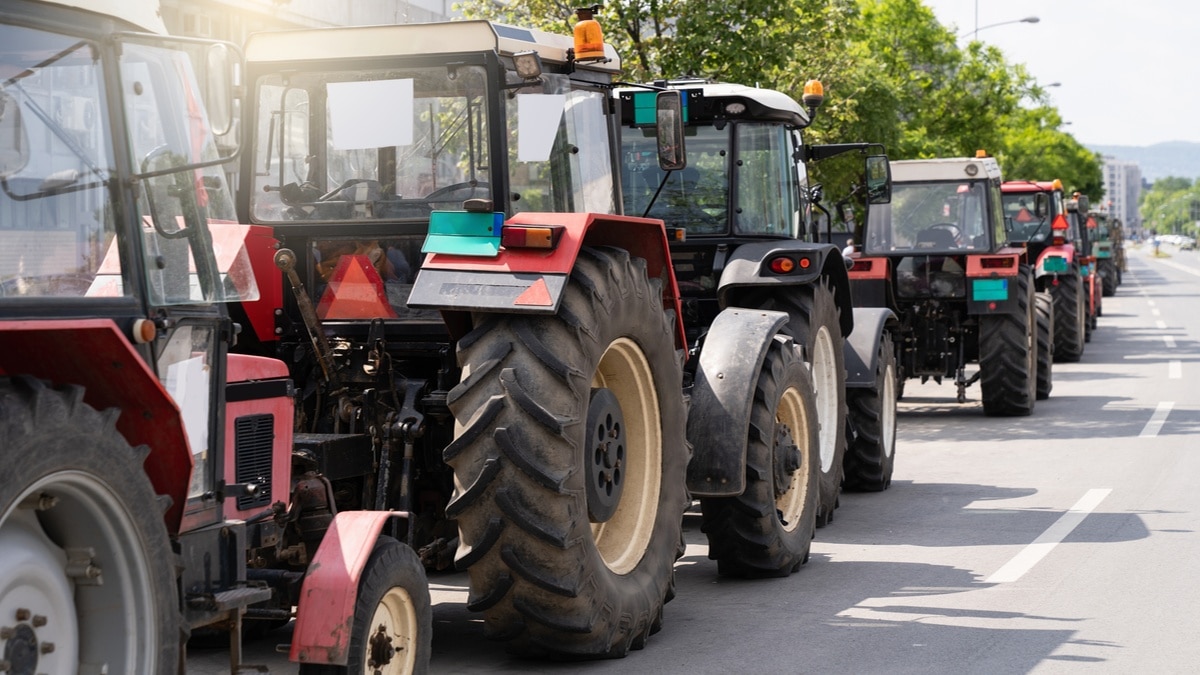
[1187, 244]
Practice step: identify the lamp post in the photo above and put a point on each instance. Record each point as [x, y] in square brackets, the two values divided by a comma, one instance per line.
[1028, 19]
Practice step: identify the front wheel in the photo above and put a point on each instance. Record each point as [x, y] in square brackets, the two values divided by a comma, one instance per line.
[393, 619]
[85, 563]
[569, 465]
[871, 455]
[767, 530]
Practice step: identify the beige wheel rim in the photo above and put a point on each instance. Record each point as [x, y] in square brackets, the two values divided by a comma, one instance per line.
[394, 625]
[791, 503]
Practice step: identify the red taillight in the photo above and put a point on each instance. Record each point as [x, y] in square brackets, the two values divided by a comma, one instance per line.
[527, 236]
[862, 265]
[782, 265]
[997, 263]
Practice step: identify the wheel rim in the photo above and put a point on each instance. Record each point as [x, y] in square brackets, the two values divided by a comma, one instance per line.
[49, 595]
[825, 383]
[791, 414]
[391, 647]
[887, 412]
[623, 538]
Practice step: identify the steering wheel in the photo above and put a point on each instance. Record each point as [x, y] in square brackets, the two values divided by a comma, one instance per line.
[337, 191]
[443, 194]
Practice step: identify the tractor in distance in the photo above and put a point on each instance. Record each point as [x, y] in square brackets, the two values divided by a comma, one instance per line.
[1109, 249]
[1038, 220]
[937, 255]
[1093, 287]
[743, 240]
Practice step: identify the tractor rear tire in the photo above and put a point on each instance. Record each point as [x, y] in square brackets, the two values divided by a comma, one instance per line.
[1070, 316]
[553, 412]
[393, 618]
[1008, 355]
[1044, 305]
[85, 561]
[767, 530]
[1110, 276]
[871, 455]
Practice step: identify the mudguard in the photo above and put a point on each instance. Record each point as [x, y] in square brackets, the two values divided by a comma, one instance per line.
[719, 417]
[747, 268]
[325, 615]
[861, 349]
[1054, 260]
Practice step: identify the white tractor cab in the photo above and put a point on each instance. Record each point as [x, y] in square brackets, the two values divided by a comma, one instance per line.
[742, 220]
[938, 256]
[457, 301]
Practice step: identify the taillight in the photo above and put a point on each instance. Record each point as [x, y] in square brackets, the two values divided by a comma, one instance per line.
[861, 265]
[530, 236]
[786, 264]
[997, 263]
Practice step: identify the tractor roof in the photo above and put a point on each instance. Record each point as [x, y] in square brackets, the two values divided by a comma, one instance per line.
[948, 169]
[1031, 186]
[708, 100]
[416, 39]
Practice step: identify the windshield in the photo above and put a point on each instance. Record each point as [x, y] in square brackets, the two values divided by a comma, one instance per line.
[931, 217]
[56, 214]
[369, 145]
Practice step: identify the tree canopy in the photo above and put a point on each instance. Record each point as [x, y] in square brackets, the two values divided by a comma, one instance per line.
[892, 73]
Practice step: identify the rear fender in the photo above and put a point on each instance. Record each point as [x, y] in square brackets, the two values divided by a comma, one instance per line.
[747, 268]
[861, 349]
[325, 614]
[532, 281]
[719, 417]
[1054, 260]
[99, 356]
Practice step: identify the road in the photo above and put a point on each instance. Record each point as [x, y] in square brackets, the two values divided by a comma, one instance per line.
[1065, 542]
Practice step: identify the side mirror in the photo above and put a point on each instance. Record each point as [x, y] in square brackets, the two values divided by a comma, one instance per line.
[1041, 205]
[14, 140]
[1083, 203]
[669, 129]
[879, 179]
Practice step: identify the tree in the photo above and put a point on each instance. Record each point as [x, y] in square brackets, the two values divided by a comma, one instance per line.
[1036, 148]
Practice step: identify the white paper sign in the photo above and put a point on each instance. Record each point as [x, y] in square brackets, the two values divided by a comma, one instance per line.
[538, 117]
[375, 114]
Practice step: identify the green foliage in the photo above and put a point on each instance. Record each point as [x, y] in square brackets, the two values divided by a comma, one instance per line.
[892, 73]
[1172, 205]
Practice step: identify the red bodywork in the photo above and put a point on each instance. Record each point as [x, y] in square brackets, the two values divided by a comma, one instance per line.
[97, 355]
[642, 237]
[244, 368]
[325, 615]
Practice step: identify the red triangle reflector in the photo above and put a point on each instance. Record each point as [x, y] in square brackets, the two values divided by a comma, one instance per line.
[537, 294]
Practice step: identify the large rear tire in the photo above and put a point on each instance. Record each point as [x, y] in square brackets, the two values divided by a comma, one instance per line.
[393, 619]
[871, 456]
[1070, 316]
[570, 465]
[1044, 306]
[85, 562]
[1008, 355]
[1110, 276]
[767, 530]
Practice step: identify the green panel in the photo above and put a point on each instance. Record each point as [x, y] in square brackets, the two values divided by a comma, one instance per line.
[986, 290]
[1054, 264]
[464, 233]
[644, 108]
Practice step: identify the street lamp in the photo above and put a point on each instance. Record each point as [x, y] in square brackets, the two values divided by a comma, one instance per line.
[1028, 19]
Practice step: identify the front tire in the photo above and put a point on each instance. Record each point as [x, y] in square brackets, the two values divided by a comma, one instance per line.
[72, 483]
[1070, 316]
[1008, 355]
[871, 455]
[570, 464]
[767, 530]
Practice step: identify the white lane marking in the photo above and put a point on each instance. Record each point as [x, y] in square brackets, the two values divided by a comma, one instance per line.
[1161, 324]
[1150, 302]
[1175, 370]
[1156, 420]
[1155, 312]
[1181, 268]
[1032, 554]
[1169, 341]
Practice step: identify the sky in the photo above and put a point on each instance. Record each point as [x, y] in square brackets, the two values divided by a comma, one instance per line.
[1130, 70]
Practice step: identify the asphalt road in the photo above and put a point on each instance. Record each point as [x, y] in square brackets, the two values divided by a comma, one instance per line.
[1065, 542]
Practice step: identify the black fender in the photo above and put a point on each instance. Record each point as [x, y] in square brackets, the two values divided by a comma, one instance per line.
[861, 349]
[727, 372]
[747, 269]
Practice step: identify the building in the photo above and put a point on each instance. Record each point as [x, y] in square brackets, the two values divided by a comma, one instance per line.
[233, 20]
[1122, 190]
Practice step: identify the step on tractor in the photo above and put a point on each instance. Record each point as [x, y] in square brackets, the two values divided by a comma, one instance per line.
[937, 256]
[1038, 220]
[487, 363]
[753, 276]
[1109, 249]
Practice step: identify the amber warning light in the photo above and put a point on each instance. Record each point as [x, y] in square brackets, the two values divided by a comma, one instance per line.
[589, 39]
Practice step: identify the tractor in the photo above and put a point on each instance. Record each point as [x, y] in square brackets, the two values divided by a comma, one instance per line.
[1109, 249]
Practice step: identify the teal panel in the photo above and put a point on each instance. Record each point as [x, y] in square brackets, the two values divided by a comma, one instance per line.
[1054, 264]
[987, 290]
[456, 245]
[464, 233]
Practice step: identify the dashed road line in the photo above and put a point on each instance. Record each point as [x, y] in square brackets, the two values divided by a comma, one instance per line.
[1182, 268]
[1175, 370]
[1155, 312]
[1157, 419]
[1032, 554]
[1169, 341]
[1161, 324]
